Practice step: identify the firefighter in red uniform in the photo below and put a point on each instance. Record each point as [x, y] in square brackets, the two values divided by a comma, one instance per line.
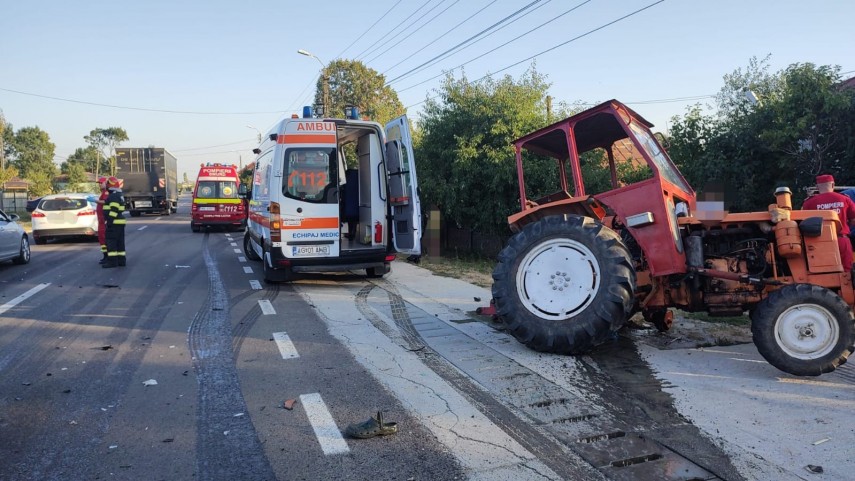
[114, 208]
[99, 209]
[827, 199]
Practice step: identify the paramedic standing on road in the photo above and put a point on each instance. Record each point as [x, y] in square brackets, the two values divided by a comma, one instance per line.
[827, 199]
[114, 207]
[99, 210]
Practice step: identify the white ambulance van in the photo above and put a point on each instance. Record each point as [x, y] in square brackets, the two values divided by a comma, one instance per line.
[333, 195]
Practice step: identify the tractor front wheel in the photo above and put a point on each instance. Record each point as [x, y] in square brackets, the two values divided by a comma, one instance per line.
[803, 329]
[563, 284]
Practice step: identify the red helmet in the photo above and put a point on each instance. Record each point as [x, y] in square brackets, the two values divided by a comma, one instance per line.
[102, 182]
[114, 183]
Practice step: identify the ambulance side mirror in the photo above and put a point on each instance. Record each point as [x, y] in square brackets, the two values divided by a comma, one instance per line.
[243, 191]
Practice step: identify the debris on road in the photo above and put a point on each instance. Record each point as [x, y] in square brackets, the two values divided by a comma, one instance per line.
[814, 469]
[150, 382]
[289, 404]
[816, 443]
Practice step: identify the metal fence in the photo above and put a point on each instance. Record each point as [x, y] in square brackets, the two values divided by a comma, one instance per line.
[13, 201]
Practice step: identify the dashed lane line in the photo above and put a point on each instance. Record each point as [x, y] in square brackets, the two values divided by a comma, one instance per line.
[266, 307]
[241, 259]
[286, 347]
[23, 297]
[255, 285]
[143, 227]
[322, 422]
[237, 251]
[247, 270]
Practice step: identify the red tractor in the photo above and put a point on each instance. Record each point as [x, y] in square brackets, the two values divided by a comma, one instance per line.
[579, 265]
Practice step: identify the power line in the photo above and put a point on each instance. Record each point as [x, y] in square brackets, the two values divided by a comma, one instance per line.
[369, 28]
[459, 45]
[480, 10]
[410, 34]
[506, 43]
[390, 31]
[553, 47]
[136, 108]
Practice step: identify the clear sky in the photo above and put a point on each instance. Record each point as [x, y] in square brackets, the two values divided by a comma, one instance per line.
[192, 75]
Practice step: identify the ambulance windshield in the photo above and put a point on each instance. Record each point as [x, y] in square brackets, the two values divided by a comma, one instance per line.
[216, 189]
[311, 174]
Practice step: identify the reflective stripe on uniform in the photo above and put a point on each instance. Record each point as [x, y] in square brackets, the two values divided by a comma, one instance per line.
[114, 214]
[120, 221]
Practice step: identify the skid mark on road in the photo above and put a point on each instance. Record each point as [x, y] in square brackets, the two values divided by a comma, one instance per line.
[613, 436]
[227, 446]
[547, 449]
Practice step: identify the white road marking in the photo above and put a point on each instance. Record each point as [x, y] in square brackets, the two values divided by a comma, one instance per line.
[327, 432]
[255, 285]
[234, 244]
[247, 269]
[266, 307]
[14, 302]
[143, 227]
[286, 347]
[237, 251]
[241, 259]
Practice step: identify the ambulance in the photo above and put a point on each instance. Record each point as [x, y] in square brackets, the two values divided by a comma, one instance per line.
[333, 195]
[215, 198]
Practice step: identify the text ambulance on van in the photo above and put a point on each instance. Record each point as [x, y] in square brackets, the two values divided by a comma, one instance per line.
[215, 199]
[312, 209]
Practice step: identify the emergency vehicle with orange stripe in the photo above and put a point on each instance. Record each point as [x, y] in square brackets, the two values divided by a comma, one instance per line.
[215, 198]
[332, 195]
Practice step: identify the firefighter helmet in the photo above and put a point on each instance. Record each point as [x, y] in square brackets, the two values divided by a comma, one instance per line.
[114, 183]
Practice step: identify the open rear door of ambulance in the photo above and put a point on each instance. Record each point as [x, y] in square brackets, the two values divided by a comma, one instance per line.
[403, 188]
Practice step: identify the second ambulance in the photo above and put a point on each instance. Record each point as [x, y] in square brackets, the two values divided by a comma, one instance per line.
[215, 198]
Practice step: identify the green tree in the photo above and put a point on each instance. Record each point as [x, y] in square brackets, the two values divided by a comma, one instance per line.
[802, 125]
[105, 142]
[76, 176]
[31, 152]
[7, 172]
[88, 157]
[465, 157]
[352, 83]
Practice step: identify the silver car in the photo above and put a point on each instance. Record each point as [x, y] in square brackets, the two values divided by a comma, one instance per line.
[14, 243]
[65, 215]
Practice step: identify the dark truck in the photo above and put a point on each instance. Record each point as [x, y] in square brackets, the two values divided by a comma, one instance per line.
[150, 177]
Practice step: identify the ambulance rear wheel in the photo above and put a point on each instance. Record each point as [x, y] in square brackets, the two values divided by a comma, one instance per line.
[272, 275]
[195, 227]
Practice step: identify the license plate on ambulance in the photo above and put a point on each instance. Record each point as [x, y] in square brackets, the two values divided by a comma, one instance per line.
[207, 209]
[143, 203]
[304, 251]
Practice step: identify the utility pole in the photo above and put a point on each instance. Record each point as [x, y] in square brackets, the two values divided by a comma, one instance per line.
[325, 82]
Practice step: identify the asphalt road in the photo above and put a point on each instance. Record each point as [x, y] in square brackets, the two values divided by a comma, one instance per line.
[259, 381]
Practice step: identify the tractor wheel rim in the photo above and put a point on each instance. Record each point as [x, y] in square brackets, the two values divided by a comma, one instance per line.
[558, 279]
[806, 331]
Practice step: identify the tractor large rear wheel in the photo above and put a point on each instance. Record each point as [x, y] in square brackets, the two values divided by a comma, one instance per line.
[803, 329]
[563, 284]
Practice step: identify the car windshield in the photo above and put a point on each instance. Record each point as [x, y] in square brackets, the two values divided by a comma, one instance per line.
[63, 204]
